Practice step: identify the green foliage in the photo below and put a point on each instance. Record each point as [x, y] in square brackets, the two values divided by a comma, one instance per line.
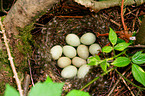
[112, 37]
[47, 88]
[121, 61]
[121, 46]
[138, 58]
[107, 49]
[77, 93]
[138, 73]
[10, 91]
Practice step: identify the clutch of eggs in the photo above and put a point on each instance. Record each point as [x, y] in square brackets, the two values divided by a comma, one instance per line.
[76, 53]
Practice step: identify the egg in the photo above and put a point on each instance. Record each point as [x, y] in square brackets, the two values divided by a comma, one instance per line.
[83, 51]
[88, 38]
[69, 72]
[94, 49]
[69, 51]
[72, 39]
[77, 61]
[63, 62]
[56, 52]
[83, 70]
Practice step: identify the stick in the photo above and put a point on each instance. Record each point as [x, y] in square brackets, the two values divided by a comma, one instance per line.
[11, 60]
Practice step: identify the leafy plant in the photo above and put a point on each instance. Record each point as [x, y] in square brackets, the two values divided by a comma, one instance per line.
[47, 88]
[121, 61]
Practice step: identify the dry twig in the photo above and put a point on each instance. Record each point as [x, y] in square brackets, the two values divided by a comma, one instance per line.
[11, 60]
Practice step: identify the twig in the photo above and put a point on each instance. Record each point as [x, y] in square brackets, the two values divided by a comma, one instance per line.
[26, 84]
[11, 60]
[111, 21]
[122, 18]
[97, 78]
[127, 87]
[117, 82]
[30, 71]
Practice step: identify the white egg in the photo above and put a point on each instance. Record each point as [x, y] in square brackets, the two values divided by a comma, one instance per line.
[88, 38]
[77, 61]
[69, 72]
[83, 51]
[56, 52]
[72, 39]
[83, 70]
[94, 49]
[69, 51]
[63, 62]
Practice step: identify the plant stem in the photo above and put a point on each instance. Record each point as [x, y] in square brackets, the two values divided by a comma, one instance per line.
[117, 55]
[97, 78]
[11, 60]
[130, 81]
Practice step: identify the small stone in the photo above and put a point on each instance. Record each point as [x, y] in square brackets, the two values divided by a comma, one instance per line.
[83, 70]
[94, 49]
[88, 38]
[77, 61]
[63, 62]
[72, 39]
[69, 72]
[69, 51]
[83, 51]
[56, 52]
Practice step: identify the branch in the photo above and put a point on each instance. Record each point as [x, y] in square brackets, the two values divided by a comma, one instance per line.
[98, 5]
[11, 60]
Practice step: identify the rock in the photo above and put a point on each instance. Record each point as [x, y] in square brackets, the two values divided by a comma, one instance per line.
[72, 39]
[83, 51]
[69, 72]
[77, 61]
[56, 52]
[69, 51]
[88, 38]
[63, 62]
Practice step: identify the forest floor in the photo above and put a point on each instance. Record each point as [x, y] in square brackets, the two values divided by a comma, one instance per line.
[51, 30]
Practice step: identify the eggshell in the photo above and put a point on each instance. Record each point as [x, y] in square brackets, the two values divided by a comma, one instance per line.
[83, 70]
[69, 51]
[63, 62]
[69, 72]
[94, 49]
[88, 38]
[83, 51]
[56, 52]
[77, 61]
[72, 39]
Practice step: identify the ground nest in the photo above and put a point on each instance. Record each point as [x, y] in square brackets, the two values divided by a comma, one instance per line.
[54, 33]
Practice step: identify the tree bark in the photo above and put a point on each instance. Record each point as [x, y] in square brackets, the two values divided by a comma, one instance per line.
[140, 37]
[23, 13]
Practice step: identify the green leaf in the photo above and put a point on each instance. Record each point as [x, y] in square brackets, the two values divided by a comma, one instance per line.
[107, 49]
[138, 74]
[48, 80]
[121, 46]
[138, 58]
[104, 65]
[10, 91]
[94, 60]
[121, 62]
[120, 40]
[112, 37]
[43, 89]
[77, 93]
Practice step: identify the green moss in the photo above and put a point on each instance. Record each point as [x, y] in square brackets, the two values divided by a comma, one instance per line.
[25, 40]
